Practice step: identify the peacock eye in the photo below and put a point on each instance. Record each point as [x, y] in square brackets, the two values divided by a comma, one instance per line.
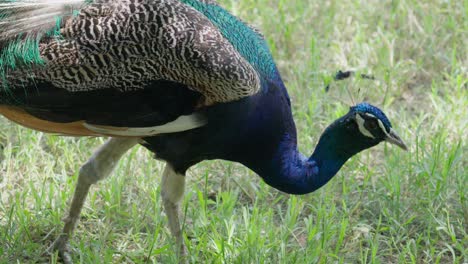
[372, 124]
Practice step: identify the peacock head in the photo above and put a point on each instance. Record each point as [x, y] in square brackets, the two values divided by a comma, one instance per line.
[363, 127]
[367, 125]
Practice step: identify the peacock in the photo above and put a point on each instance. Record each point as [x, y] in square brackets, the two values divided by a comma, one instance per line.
[183, 78]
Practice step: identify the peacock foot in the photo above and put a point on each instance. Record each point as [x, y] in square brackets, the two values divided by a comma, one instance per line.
[183, 256]
[63, 247]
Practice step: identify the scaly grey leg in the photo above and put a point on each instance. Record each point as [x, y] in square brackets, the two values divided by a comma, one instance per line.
[172, 191]
[99, 166]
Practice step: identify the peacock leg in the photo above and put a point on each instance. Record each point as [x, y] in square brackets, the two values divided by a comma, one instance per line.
[172, 191]
[99, 166]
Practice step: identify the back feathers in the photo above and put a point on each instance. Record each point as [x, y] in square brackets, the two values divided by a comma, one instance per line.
[127, 44]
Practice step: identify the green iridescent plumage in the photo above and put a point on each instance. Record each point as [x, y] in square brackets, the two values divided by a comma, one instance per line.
[23, 48]
[248, 43]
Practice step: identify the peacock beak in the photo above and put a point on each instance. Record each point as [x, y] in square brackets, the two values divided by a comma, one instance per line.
[393, 138]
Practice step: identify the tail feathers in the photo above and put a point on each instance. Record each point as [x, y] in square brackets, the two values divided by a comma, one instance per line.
[32, 18]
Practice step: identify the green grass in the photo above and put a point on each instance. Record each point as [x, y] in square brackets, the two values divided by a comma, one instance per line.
[384, 206]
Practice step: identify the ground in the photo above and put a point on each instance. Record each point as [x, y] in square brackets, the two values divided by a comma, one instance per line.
[384, 206]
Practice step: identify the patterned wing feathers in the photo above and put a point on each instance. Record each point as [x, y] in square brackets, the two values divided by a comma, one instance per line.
[124, 44]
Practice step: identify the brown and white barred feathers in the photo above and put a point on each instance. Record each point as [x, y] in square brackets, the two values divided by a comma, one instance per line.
[120, 44]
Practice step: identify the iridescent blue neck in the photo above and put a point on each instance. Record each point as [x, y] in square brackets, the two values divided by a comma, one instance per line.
[292, 172]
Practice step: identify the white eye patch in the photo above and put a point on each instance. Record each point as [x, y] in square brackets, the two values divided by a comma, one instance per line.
[370, 115]
[381, 125]
[360, 121]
